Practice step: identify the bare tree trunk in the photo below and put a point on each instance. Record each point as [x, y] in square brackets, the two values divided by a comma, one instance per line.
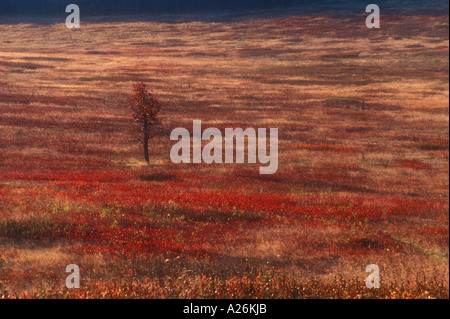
[147, 157]
[146, 138]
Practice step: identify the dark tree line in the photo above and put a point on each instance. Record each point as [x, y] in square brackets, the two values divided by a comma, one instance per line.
[106, 7]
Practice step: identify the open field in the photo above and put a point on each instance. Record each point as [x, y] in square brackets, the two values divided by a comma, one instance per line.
[354, 187]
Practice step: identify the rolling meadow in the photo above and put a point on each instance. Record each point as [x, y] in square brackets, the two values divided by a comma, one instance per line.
[355, 186]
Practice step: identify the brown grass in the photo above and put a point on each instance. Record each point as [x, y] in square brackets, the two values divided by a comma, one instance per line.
[62, 109]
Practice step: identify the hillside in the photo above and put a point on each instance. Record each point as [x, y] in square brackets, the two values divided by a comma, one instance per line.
[155, 7]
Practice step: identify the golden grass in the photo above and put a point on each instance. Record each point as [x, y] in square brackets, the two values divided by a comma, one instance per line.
[61, 87]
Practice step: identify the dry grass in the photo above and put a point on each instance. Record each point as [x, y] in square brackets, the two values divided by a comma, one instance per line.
[62, 106]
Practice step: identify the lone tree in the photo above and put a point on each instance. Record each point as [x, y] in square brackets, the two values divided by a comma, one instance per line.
[145, 108]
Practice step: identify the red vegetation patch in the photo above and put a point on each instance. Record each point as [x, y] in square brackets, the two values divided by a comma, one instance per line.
[415, 164]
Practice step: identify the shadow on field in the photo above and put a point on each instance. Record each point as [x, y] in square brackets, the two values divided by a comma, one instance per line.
[156, 177]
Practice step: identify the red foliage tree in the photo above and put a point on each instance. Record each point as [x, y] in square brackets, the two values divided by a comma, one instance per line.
[145, 108]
